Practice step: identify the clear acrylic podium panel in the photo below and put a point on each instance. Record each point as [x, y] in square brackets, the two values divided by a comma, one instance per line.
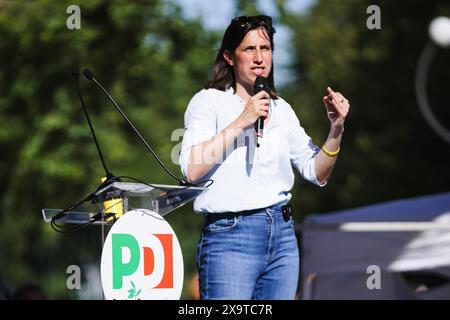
[159, 198]
[83, 249]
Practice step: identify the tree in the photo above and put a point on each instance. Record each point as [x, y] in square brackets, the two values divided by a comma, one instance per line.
[388, 151]
[150, 59]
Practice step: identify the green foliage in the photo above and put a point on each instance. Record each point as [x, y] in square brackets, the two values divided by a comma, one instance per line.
[153, 61]
[388, 151]
[150, 59]
[246, 7]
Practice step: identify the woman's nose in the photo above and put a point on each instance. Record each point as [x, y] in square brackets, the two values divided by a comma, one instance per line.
[257, 57]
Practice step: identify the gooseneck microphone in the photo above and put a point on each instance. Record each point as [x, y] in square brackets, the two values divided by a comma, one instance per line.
[90, 76]
[260, 85]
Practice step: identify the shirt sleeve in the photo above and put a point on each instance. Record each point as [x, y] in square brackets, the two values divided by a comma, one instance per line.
[303, 151]
[199, 124]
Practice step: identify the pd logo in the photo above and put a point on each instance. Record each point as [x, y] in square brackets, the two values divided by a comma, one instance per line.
[142, 258]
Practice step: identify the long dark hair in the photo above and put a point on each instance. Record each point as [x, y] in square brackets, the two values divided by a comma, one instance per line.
[223, 74]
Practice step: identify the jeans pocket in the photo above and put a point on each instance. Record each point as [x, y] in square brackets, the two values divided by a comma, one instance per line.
[221, 225]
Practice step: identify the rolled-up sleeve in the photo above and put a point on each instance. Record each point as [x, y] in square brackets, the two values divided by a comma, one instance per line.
[200, 125]
[303, 151]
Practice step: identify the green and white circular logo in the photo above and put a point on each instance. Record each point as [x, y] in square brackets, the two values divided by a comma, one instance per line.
[142, 259]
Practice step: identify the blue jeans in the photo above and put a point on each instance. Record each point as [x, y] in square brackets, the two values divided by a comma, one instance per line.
[249, 257]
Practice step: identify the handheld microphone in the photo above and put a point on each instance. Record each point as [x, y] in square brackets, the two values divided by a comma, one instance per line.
[260, 85]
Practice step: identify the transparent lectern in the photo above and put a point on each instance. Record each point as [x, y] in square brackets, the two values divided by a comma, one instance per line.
[115, 199]
[125, 196]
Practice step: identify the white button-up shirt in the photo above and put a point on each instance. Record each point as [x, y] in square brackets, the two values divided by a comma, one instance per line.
[247, 177]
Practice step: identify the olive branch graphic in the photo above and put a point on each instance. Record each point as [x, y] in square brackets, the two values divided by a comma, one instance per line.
[132, 292]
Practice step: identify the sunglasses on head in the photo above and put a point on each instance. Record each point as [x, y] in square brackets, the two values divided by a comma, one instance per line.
[245, 20]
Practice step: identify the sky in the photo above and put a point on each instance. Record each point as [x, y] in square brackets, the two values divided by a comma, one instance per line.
[216, 15]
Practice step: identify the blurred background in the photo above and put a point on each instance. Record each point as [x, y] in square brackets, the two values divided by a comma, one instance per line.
[153, 56]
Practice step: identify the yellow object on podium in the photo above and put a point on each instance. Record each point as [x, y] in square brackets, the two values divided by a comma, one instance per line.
[113, 205]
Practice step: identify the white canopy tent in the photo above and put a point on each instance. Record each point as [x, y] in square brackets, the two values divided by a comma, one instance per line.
[407, 241]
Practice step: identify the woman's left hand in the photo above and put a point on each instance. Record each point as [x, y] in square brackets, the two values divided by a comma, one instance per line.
[337, 107]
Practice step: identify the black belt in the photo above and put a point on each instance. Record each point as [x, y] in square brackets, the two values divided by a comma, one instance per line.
[285, 209]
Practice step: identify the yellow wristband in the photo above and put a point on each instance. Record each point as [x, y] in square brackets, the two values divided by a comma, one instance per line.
[329, 153]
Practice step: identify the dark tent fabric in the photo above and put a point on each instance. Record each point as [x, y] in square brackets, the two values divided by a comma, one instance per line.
[407, 241]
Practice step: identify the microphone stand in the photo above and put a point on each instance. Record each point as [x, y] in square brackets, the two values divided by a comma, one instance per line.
[90, 76]
[109, 175]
